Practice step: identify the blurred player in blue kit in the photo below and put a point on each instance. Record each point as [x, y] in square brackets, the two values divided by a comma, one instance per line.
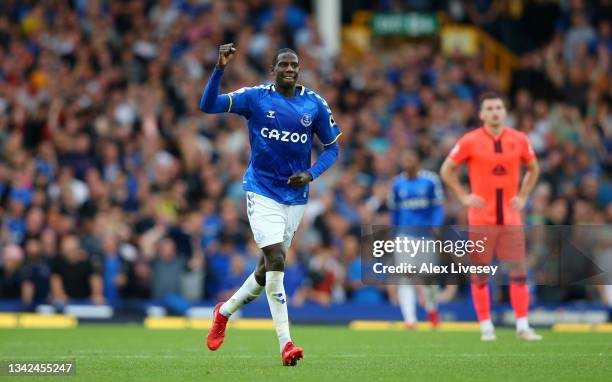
[416, 204]
[283, 118]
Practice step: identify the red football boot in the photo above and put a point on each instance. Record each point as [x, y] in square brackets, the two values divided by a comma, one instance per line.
[434, 318]
[216, 335]
[291, 354]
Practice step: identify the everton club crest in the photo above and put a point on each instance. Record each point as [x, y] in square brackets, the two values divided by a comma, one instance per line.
[306, 119]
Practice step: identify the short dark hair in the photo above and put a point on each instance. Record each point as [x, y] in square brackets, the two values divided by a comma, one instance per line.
[281, 51]
[488, 95]
[418, 153]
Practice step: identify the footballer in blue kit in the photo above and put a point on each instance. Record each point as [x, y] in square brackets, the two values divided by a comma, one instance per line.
[416, 205]
[416, 198]
[283, 118]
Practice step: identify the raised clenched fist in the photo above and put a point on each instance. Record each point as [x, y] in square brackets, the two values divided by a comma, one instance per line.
[226, 52]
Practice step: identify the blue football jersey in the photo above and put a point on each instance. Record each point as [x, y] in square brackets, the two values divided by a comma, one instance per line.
[416, 204]
[281, 132]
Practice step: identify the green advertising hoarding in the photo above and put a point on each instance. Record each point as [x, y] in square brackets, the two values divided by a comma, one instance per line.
[405, 24]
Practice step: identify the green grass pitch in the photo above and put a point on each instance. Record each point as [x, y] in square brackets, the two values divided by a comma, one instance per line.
[133, 353]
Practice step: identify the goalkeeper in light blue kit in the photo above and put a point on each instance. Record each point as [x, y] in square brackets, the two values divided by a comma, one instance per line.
[283, 118]
[416, 204]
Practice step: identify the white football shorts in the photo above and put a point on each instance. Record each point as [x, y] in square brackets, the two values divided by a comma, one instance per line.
[271, 221]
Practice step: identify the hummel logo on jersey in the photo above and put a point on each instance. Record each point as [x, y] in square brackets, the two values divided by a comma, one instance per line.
[279, 297]
[499, 170]
[271, 114]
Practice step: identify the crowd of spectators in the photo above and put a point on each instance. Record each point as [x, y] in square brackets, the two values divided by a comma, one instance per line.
[114, 185]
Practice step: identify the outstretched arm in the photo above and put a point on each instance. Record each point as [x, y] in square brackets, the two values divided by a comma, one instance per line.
[211, 101]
